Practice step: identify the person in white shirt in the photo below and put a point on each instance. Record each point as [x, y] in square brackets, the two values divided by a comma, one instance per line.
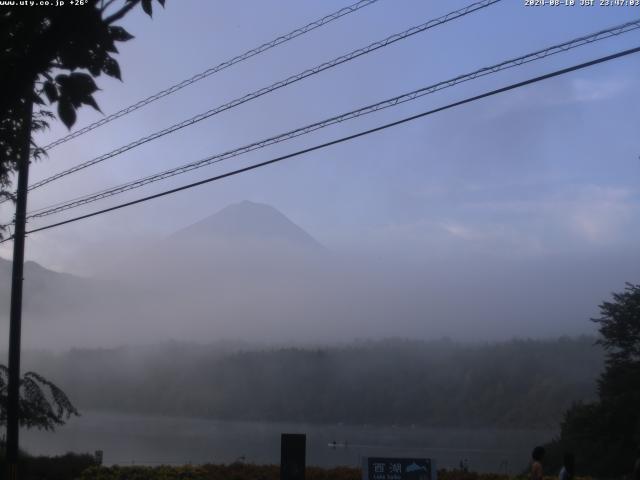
[568, 467]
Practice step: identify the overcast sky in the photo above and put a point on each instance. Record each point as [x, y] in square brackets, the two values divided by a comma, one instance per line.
[545, 172]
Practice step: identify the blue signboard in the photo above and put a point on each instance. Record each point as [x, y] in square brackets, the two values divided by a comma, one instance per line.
[384, 468]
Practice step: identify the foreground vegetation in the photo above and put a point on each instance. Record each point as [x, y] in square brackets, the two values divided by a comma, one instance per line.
[605, 434]
[65, 467]
[254, 472]
[85, 467]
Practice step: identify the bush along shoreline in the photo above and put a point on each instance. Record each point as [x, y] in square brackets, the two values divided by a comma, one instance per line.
[72, 466]
[63, 467]
[259, 472]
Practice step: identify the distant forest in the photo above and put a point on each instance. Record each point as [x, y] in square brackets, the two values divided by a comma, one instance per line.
[520, 383]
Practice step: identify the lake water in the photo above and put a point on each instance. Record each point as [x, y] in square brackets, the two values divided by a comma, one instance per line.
[154, 440]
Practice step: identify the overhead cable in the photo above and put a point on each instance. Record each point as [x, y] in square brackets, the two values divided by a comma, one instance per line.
[391, 102]
[210, 71]
[275, 86]
[513, 86]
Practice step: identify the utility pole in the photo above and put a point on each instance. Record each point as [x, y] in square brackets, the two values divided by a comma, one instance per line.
[15, 325]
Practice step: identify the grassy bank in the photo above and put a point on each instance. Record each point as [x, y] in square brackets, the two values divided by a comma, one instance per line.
[83, 467]
[252, 472]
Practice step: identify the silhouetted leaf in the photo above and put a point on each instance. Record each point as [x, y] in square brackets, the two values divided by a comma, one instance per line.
[76, 101]
[161, 2]
[51, 91]
[111, 49]
[146, 6]
[94, 69]
[119, 34]
[62, 80]
[108, 42]
[82, 83]
[89, 100]
[66, 112]
[112, 68]
[72, 57]
[46, 114]
[37, 100]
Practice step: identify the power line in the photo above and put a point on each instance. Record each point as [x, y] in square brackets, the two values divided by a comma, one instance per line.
[391, 102]
[210, 71]
[275, 86]
[343, 139]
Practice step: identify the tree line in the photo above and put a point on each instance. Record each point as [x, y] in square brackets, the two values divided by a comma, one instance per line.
[520, 383]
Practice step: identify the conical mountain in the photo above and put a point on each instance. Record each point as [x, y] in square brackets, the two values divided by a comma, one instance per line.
[249, 222]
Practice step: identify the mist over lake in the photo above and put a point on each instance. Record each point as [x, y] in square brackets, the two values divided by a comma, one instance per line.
[515, 384]
[151, 440]
[248, 273]
[188, 402]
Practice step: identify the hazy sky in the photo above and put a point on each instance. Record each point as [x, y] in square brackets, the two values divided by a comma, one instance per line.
[545, 172]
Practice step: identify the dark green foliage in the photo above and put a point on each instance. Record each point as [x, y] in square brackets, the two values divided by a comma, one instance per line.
[238, 471]
[42, 404]
[74, 43]
[520, 383]
[235, 471]
[64, 467]
[605, 434]
[620, 327]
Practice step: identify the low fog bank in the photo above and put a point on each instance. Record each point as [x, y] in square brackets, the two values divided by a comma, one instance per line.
[277, 300]
[520, 383]
[249, 274]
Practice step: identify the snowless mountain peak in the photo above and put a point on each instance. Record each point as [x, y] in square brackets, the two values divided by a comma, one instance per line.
[249, 221]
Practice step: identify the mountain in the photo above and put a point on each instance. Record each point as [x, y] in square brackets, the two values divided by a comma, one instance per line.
[249, 222]
[44, 290]
[236, 274]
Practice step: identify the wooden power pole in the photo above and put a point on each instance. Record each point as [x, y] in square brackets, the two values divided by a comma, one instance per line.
[15, 325]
